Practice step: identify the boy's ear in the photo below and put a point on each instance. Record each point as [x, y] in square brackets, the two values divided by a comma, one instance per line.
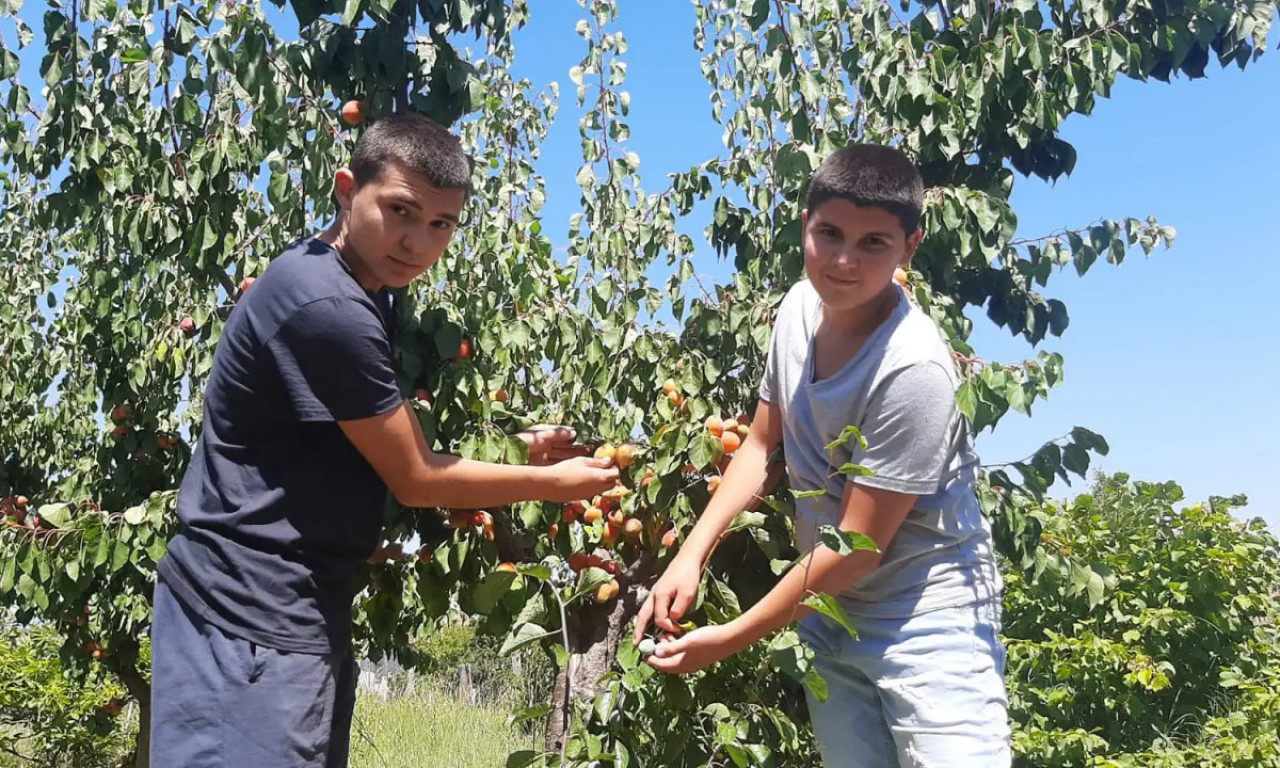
[344, 187]
[913, 242]
[804, 219]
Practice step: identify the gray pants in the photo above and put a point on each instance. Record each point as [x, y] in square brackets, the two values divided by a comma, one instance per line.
[219, 701]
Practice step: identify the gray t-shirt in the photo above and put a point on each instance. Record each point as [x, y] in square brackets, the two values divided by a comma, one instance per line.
[899, 390]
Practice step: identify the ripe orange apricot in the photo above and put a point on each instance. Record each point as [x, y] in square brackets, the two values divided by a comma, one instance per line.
[900, 276]
[508, 567]
[624, 454]
[353, 112]
[714, 425]
[633, 527]
[669, 387]
[670, 538]
[592, 514]
[606, 591]
[713, 484]
[606, 451]
[731, 442]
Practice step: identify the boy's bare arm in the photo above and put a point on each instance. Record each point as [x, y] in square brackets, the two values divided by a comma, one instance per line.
[872, 511]
[418, 477]
[748, 477]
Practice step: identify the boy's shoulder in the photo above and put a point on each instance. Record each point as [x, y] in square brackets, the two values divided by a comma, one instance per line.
[308, 283]
[309, 270]
[916, 340]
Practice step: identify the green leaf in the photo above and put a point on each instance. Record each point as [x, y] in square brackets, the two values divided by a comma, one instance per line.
[814, 681]
[534, 570]
[845, 542]
[351, 11]
[491, 589]
[855, 470]
[967, 400]
[589, 580]
[527, 758]
[57, 515]
[828, 606]
[26, 586]
[705, 450]
[848, 432]
[1096, 588]
[809, 494]
[133, 55]
[120, 553]
[8, 572]
[135, 515]
[524, 635]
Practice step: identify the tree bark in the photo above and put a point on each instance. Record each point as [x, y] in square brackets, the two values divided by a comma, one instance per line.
[594, 636]
[140, 690]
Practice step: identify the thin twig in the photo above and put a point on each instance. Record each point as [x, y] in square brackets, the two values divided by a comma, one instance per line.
[1028, 458]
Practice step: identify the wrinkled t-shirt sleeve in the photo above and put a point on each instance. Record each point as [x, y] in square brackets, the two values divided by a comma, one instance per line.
[334, 360]
[769, 382]
[908, 427]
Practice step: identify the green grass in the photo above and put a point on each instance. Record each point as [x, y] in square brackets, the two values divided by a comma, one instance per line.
[428, 728]
[432, 729]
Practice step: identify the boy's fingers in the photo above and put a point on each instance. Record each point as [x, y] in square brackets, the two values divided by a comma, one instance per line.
[661, 604]
[642, 618]
[677, 611]
[668, 648]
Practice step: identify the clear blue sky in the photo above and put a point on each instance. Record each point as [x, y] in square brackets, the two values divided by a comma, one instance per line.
[1172, 358]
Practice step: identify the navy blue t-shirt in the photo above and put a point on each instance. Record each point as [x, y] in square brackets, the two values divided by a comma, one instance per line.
[278, 508]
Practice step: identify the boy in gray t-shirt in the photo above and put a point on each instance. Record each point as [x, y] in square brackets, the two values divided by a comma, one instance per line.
[923, 683]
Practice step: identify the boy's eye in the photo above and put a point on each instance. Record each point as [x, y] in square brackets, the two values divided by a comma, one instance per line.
[442, 224]
[399, 210]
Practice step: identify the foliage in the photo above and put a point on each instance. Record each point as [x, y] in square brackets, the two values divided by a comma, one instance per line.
[46, 716]
[1172, 658]
[203, 143]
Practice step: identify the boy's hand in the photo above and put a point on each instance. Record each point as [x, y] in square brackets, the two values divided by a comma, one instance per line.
[671, 596]
[549, 444]
[700, 648]
[579, 478]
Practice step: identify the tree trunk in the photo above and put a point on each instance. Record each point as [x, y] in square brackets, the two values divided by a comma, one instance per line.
[594, 637]
[142, 758]
[140, 690]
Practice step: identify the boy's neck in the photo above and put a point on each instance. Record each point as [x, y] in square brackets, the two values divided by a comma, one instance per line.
[864, 319]
[336, 237]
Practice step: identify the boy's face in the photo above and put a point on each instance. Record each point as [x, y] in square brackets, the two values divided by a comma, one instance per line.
[398, 225]
[850, 252]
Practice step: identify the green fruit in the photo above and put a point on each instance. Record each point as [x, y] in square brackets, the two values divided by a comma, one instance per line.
[647, 646]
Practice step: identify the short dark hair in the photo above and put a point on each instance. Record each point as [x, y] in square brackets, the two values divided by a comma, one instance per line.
[870, 175]
[416, 143]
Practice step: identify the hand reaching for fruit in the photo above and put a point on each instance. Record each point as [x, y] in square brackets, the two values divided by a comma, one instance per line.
[550, 444]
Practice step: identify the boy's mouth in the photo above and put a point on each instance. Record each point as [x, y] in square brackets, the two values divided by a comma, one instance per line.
[402, 263]
[847, 281]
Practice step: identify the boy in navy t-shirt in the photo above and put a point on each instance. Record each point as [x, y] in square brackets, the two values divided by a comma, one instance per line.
[305, 431]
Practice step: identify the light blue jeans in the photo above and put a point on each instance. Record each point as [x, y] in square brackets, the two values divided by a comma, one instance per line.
[922, 692]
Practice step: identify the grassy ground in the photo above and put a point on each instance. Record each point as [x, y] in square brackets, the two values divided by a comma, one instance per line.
[424, 729]
[431, 729]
